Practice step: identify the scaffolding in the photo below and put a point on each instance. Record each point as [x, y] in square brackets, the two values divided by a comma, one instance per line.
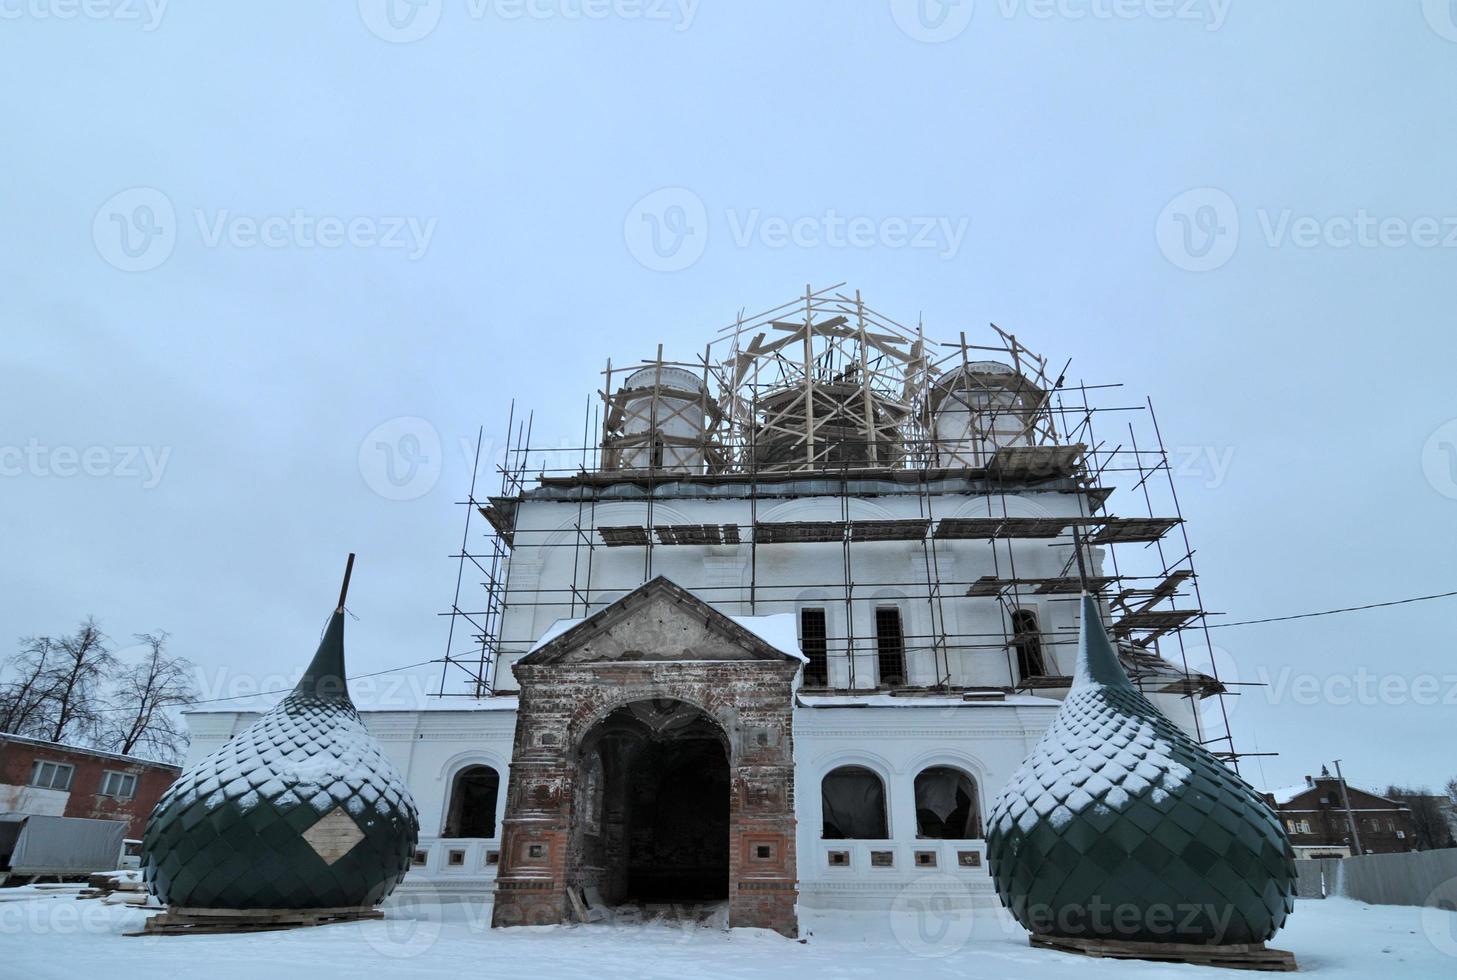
[822, 395]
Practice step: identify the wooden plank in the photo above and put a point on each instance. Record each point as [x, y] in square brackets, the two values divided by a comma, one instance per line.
[799, 532]
[991, 528]
[178, 921]
[1122, 530]
[699, 534]
[891, 530]
[991, 585]
[1252, 956]
[624, 535]
[1161, 620]
[1035, 462]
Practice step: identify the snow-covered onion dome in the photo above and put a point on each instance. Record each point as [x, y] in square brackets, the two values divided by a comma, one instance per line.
[1119, 826]
[300, 810]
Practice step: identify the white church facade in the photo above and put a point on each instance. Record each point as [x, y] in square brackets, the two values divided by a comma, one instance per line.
[779, 639]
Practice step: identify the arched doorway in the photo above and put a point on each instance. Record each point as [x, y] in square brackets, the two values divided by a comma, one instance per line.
[471, 811]
[651, 814]
[654, 755]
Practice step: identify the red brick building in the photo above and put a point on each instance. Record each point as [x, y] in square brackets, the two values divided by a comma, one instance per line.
[1314, 815]
[51, 779]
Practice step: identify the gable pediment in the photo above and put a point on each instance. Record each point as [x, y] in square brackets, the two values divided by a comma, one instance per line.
[658, 622]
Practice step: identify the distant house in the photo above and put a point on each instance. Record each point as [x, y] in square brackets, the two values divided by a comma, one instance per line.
[51, 779]
[1314, 815]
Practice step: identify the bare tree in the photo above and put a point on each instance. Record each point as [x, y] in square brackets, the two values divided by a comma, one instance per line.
[24, 700]
[145, 702]
[82, 666]
[1428, 822]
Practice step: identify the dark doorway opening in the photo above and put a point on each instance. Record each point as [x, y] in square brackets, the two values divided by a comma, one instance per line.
[653, 806]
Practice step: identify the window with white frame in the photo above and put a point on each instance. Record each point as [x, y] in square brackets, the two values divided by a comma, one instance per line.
[122, 785]
[51, 775]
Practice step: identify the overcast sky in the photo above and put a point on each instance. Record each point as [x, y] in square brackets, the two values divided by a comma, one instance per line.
[240, 238]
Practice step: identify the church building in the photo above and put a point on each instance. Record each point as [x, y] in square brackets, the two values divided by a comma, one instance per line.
[782, 629]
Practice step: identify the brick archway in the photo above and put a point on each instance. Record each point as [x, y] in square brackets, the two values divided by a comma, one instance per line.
[652, 806]
[658, 644]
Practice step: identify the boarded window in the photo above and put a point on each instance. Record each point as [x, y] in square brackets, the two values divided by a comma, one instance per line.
[890, 646]
[1027, 641]
[815, 645]
[472, 811]
[947, 807]
[853, 799]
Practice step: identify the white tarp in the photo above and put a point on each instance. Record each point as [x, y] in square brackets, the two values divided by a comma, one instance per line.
[67, 845]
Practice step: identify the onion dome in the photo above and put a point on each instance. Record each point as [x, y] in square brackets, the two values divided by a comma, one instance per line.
[301, 810]
[1119, 826]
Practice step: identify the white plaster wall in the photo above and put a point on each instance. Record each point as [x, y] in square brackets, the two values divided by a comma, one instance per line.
[987, 741]
[544, 566]
[428, 747]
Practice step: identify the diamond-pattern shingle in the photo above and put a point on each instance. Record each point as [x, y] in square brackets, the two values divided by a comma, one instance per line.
[1120, 826]
[230, 833]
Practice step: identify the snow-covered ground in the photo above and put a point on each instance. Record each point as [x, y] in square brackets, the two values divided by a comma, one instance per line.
[52, 934]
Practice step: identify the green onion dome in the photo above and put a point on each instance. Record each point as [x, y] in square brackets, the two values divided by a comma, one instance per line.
[1120, 826]
[300, 810]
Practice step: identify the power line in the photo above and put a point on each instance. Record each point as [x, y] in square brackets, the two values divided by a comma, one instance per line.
[1245, 622]
[1332, 612]
[289, 690]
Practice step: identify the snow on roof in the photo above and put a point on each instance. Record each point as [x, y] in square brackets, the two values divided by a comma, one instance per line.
[779, 630]
[1286, 794]
[84, 750]
[943, 701]
[555, 630]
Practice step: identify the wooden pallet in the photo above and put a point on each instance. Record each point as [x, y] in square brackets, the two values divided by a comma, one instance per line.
[1252, 956]
[177, 921]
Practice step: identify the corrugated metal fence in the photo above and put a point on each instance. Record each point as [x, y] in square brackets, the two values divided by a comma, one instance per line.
[1418, 878]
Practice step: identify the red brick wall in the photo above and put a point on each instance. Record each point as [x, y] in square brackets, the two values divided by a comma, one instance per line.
[17, 758]
[752, 703]
[1329, 825]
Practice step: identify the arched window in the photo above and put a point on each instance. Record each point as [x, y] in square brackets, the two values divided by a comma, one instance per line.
[947, 807]
[853, 800]
[1027, 641]
[472, 810]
